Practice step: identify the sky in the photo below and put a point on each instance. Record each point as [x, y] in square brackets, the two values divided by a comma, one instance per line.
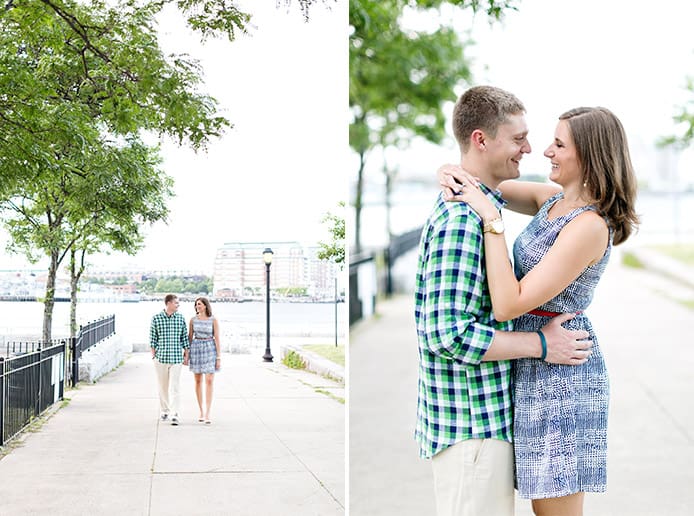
[631, 57]
[274, 175]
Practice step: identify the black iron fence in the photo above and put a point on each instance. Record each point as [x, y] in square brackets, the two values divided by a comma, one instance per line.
[90, 334]
[29, 384]
[33, 375]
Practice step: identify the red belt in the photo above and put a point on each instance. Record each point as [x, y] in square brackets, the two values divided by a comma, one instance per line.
[545, 313]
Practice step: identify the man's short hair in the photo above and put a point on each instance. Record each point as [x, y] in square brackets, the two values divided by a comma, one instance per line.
[169, 298]
[485, 108]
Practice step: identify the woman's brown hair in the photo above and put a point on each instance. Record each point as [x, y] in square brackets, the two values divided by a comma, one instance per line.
[206, 302]
[603, 152]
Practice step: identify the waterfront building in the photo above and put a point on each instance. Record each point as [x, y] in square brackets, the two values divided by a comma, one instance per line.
[239, 270]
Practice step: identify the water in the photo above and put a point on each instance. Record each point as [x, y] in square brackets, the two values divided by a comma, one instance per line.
[237, 321]
[664, 216]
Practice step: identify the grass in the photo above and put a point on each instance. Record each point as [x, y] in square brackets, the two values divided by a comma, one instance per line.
[330, 395]
[630, 260]
[682, 252]
[335, 354]
[34, 424]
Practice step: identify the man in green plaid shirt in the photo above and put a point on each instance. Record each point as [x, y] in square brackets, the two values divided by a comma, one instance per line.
[168, 337]
[464, 412]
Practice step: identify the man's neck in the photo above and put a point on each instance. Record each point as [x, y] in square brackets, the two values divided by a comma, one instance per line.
[169, 313]
[478, 169]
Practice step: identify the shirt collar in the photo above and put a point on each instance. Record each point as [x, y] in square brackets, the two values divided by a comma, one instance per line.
[494, 196]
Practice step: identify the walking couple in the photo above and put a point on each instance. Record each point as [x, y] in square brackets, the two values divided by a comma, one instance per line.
[504, 387]
[173, 345]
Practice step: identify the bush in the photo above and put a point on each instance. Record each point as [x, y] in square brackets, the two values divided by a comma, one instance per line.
[293, 359]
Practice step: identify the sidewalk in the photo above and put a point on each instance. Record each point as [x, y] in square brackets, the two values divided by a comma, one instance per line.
[646, 338]
[276, 446]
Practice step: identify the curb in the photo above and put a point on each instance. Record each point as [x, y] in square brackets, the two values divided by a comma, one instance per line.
[315, 363]
[664, 265]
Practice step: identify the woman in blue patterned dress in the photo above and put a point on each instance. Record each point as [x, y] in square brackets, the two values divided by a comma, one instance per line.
[205, 357]
[560, 412]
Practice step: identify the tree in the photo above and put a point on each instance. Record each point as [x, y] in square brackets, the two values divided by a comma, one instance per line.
[72, 76]
[128, 196]
[684, 118]
[400, 78]
[71, 110]
[334, 250]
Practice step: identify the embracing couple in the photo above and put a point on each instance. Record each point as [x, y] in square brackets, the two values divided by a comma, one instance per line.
[512, 382]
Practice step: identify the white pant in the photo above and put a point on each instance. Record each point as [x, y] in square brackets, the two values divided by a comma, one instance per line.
[474, 478]
[169, 376]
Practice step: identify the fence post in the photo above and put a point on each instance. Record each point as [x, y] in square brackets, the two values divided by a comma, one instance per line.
[39, 381]
[2, 401]
[75, 360]
[63, 374]
[389, 273]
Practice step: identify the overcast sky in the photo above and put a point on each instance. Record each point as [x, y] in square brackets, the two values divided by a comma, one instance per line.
[278, 171]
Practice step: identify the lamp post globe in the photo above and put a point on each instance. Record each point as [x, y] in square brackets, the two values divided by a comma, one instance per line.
[267, 259]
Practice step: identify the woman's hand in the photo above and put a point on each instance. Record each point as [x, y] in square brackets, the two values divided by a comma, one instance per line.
[458, 185]
[451, 177]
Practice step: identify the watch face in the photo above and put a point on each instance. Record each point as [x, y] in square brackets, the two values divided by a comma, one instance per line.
[498, 226]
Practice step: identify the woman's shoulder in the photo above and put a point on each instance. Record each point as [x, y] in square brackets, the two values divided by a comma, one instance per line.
[551, 199]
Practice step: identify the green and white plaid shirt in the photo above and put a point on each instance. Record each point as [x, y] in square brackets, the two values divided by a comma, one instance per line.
[460, 397]
[168, 335]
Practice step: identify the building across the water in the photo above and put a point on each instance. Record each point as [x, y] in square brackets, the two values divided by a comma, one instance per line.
[239, 270]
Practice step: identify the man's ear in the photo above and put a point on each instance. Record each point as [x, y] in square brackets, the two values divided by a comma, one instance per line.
[477, 139]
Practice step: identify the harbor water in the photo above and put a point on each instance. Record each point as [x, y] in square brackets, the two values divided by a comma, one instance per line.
[242, 325]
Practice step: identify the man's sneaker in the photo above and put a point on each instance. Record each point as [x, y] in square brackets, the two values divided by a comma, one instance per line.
[174, 420]
[164, 416]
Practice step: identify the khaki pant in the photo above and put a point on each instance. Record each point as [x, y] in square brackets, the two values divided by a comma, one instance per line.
[474, 478]
[169, 376]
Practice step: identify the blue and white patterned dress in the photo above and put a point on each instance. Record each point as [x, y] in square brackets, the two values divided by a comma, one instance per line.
[560, 412]
[203, 352]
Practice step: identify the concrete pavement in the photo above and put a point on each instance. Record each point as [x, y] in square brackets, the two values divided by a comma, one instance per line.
[646, 337]
[276, 446]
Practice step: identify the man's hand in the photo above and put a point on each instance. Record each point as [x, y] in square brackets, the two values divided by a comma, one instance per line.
[567, 347]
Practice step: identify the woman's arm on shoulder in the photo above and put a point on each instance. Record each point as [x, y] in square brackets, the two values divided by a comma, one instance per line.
[581, 243]
[522, 196]
[526, 196]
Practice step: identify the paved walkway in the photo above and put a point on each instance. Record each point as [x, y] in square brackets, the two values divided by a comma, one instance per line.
[646, 338]
[275, 447]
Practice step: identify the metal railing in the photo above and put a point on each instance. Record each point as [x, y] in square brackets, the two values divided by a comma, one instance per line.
[90, 334]
[370, 274]
[29, 384]
[34, 378]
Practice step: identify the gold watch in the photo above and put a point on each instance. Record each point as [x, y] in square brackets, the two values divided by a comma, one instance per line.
[495, 226]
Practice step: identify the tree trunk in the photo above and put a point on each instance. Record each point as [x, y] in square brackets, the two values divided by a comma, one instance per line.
[74, 280]
[357, 204]
[389, 192]
[49, 300]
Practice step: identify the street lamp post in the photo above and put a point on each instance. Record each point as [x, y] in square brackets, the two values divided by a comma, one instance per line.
[267, 258]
